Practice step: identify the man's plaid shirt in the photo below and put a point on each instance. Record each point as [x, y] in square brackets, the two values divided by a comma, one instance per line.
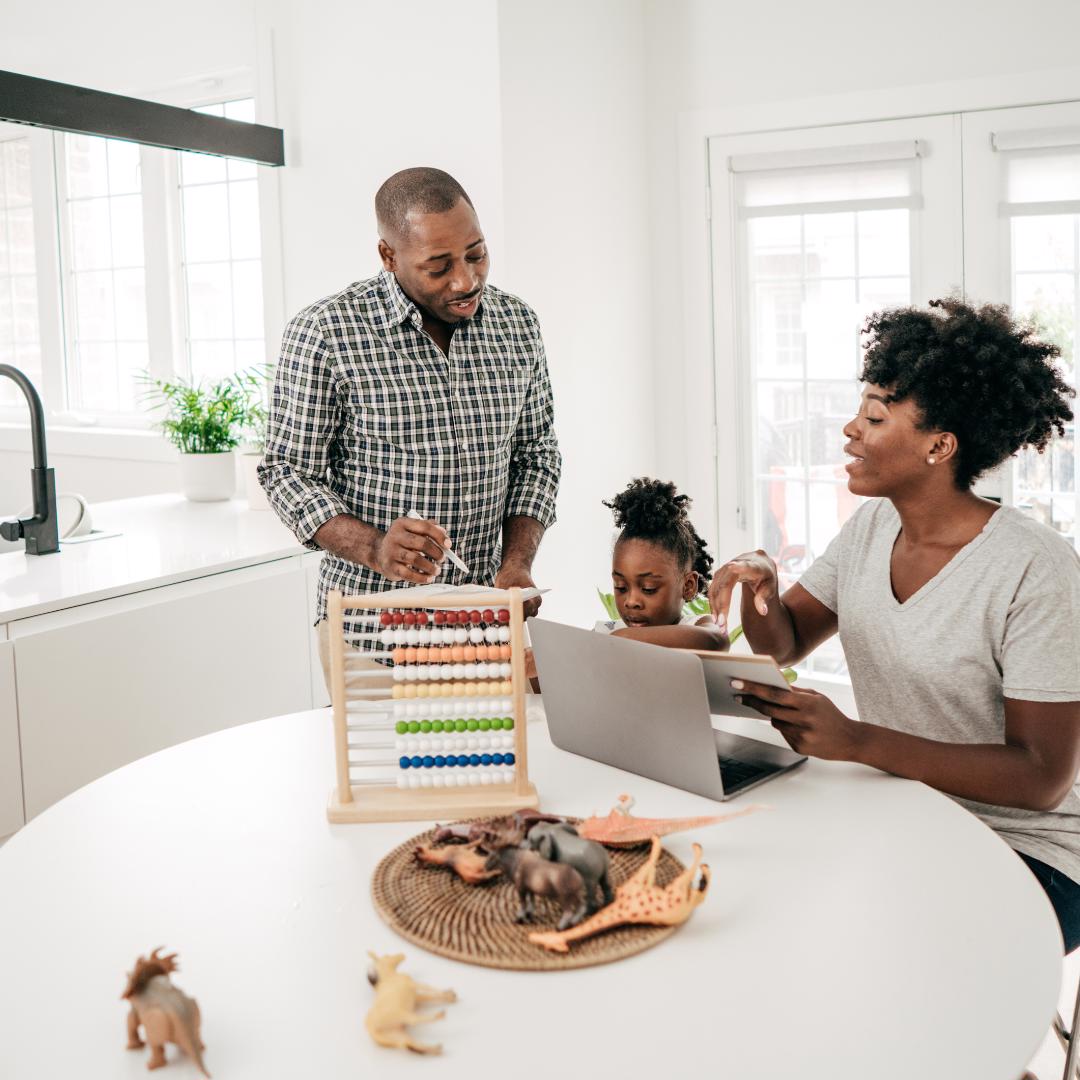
[369, 418]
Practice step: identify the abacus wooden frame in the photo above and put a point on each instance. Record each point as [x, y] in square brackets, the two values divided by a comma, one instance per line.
[350, 804]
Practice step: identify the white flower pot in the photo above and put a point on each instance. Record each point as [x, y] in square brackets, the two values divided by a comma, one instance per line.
[256, 497]
[208, 477]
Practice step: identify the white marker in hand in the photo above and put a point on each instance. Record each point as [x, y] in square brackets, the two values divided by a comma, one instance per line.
[453, 558]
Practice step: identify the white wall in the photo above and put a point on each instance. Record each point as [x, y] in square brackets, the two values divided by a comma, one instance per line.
[364, 89]
[575, 192]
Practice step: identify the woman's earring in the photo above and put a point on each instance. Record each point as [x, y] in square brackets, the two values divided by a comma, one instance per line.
[930, 460]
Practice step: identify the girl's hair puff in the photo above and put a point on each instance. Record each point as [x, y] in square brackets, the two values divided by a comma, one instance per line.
[654, 510]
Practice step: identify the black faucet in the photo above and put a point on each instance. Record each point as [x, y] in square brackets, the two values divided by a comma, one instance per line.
[42, 530]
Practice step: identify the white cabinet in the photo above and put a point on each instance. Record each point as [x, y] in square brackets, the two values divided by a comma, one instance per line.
[105, 683]
[11, 797]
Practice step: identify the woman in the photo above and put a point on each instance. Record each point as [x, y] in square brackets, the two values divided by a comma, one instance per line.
[960, 619]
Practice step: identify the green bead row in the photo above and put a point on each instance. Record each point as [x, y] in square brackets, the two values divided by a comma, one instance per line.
[495, 723]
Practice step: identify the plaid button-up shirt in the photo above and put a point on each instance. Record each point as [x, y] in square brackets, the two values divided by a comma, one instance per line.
[368, 417]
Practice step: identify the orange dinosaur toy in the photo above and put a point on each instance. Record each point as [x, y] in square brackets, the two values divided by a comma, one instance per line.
[166, 1013]
[465, 861]
[621, 829]
[639, 900]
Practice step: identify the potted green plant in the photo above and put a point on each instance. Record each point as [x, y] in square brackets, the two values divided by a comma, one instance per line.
[206, 422]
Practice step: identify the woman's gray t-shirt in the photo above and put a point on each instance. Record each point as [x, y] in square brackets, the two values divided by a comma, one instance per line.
[1000, 620]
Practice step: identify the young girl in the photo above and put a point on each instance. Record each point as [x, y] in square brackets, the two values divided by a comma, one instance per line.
[658, 564]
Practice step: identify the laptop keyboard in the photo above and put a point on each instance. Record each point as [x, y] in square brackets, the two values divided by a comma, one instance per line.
[735, 773]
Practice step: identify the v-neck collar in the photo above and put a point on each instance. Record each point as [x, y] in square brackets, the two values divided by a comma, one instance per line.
[949, 568]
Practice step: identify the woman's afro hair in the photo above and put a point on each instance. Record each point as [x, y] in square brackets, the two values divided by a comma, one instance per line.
[653, 510]
[972, 371]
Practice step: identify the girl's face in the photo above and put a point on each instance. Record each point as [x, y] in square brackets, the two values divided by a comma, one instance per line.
[650, 587]
[889, 454]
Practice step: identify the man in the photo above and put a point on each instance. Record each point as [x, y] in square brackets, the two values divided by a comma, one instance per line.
[423, 390]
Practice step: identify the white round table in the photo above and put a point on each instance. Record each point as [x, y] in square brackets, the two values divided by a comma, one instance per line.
[864, 927]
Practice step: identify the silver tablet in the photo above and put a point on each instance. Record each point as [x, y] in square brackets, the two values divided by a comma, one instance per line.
[721, 668]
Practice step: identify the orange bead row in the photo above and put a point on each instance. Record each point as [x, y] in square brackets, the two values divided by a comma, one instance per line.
[450, 654]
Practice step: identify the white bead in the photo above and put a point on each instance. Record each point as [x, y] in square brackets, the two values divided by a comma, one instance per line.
[399, 674]
[474, 779]
[430, 708]
[458, 671]
[402, 781]
[491, 635]
[472, 742]
[485, 778]
[462, 780]
[504, 635]
[426, 780]
[412, 636]
[438, 780]
[425, 744]
[447, 635]
[461, 636]
[446, 671]
[483, 743]
[476, 635]
[508, 776]
[505, 669]
[414, 780]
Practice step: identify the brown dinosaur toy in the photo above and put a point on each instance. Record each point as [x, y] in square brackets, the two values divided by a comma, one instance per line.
[165, 1012]
[638, 900]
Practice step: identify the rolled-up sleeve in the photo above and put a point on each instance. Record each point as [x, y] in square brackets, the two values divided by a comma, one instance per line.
[535, 461]
[301, 426]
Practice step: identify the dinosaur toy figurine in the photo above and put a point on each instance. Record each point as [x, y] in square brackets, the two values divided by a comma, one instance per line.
[396, 998]
[165, 1012]
[464, 860]
[639, 900]
[621, 829]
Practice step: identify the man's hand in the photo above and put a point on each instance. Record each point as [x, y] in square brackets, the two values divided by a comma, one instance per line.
[514, 575]
[809, 722]
[411, 550]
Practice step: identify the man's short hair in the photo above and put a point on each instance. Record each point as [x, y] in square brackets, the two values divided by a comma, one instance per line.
[420, 190]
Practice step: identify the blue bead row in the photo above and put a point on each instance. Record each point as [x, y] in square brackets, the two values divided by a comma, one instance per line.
[439, 760]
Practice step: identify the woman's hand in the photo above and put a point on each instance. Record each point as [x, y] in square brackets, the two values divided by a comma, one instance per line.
[756, 571]
[809, 722]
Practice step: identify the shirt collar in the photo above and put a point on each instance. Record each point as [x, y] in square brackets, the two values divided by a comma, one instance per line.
[398, 306]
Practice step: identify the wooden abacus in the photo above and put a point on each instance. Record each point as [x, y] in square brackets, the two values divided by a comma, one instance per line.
[454, 702]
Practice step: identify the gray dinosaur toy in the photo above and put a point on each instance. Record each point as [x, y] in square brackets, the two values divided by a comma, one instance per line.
[561, 843]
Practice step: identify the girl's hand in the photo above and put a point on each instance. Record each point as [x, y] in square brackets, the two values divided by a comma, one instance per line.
[756, 571]
[809, 722]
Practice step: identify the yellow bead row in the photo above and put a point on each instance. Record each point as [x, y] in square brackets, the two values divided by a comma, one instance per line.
[452, 689]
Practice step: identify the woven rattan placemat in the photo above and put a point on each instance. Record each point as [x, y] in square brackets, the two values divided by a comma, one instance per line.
[433, 908]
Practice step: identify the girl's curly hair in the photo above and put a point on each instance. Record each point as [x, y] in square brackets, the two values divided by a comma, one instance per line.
[973, 371]
[653, 510]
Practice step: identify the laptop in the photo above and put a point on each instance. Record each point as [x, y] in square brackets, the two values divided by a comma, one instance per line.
[644, 709]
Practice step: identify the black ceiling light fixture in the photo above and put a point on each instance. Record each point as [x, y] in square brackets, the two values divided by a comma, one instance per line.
[25, 99]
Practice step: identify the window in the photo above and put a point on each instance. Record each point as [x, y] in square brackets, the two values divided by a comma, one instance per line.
[19, 337]
[828, 224]
[219, 201]
[123, 258]
[820, 234]
[105, 272]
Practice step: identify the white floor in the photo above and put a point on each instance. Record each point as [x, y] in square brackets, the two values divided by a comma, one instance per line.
[1049, 1062]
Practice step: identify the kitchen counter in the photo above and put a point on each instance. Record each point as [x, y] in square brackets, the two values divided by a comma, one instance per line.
[163, 539]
